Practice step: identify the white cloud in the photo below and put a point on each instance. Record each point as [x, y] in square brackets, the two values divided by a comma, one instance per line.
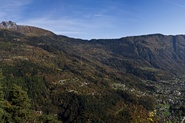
[86, 24]
[11, 9]
[61, 26]
[174, 3]
[81, 23]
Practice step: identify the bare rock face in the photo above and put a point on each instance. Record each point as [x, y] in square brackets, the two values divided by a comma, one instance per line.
[8, 25]
[27, 30]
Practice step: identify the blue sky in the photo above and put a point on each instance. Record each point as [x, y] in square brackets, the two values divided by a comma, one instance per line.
[89, 19]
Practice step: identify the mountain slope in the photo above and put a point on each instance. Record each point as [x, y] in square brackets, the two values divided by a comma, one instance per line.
[28, 30]
[155, 51]
[102, 80]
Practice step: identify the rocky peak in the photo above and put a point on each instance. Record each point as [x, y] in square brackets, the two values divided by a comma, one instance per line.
[8, 25]
[27, 30]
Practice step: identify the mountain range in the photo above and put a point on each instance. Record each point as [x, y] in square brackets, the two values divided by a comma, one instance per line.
[98, 80]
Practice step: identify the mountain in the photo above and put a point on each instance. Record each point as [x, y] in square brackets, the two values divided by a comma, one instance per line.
[28, 30]
[130, 79]
[153, 51]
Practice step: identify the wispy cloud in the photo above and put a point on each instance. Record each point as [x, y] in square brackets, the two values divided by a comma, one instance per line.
[69, 18]
[68, 26]
[58, 26]
[82, 22]
[11, 9]
[174, 3]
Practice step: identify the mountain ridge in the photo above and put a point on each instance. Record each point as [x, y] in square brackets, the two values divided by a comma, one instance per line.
[27, 30]
[129, 46]
[113, 75]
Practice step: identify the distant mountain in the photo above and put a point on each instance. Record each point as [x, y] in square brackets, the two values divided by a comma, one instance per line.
[28, 30]
[157, 51]
[112, 80]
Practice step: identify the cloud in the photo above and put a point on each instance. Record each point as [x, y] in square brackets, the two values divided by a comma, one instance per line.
[74, 20]
[72, 27]
[11, 9]
[174, 3]
[63, 26]
[13, 3]
[85, 23]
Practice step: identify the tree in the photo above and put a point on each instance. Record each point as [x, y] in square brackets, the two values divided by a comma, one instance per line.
[147, 102]
[2, 102]
[19, 105]
[4, 115]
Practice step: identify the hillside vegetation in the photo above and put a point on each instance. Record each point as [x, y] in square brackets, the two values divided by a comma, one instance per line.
[132, 79]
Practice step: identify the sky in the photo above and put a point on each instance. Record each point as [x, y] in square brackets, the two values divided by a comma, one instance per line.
[98, 19]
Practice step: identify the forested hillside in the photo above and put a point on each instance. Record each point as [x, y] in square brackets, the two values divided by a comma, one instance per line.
[53, 78]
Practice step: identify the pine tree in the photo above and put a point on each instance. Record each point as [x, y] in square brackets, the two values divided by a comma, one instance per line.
[19, 105]
[2, 101]
[2, 111]
[4, 115]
